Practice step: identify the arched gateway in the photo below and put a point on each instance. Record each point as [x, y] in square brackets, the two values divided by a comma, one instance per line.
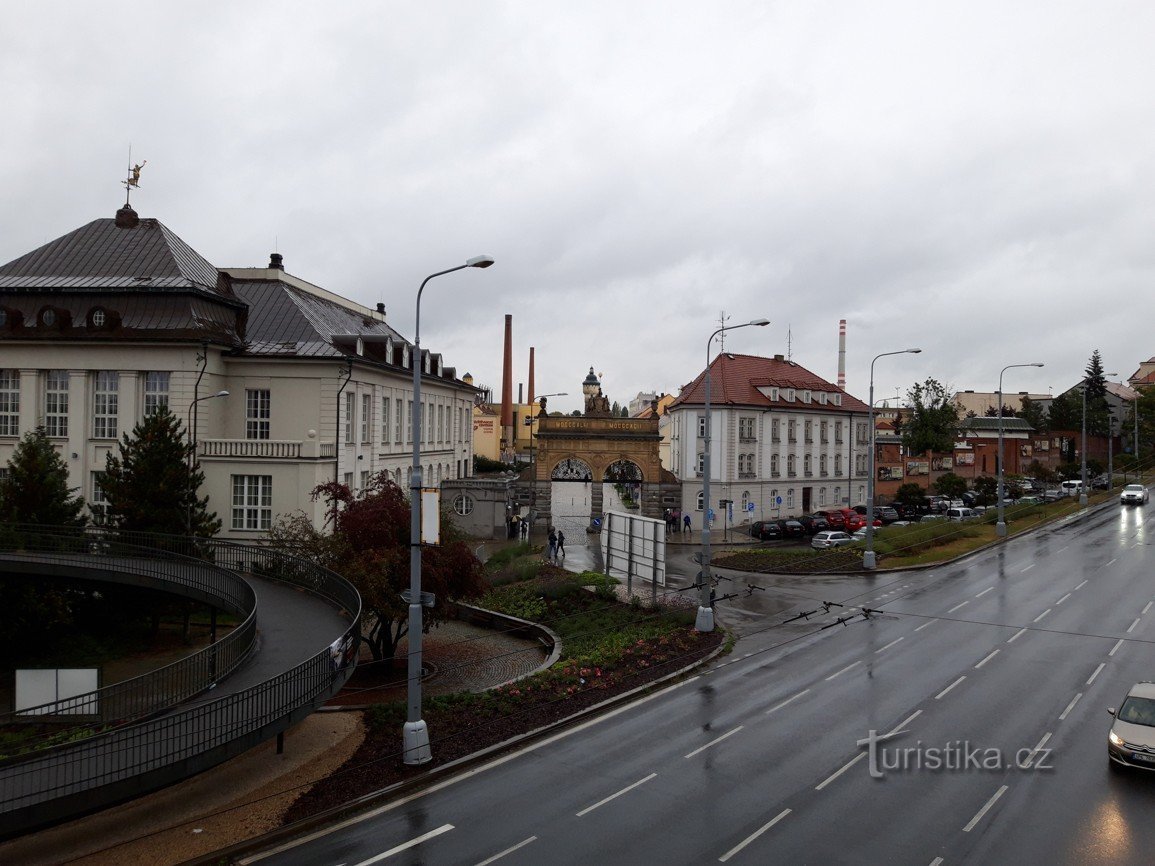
[587, 465]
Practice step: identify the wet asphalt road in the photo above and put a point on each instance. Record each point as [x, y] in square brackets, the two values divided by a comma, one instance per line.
[999, 667]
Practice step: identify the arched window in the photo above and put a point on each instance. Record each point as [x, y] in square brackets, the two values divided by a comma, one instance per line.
[808, 465]
[822, 465]
[837, 465]
[745, 500]
[790, 497]
[821, 495]
[698, 504]
[791, 466]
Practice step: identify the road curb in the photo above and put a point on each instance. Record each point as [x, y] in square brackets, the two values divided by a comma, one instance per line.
[304, 826]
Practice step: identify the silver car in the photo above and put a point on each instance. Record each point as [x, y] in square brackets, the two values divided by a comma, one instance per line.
[1131, 741]
[830, 538]
[1134, 494]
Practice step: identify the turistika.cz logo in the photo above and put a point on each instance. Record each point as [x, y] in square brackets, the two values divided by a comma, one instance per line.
[952, 757]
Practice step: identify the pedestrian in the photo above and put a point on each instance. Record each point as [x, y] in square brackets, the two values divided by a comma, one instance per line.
[686, 523]
[560, 543]
[552, 544]
[525, 529]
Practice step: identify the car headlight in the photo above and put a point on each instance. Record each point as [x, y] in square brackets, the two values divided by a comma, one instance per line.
[1115, 738]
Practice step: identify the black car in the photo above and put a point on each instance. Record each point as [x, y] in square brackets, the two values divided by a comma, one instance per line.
[766, 530]
[813, 523]
[791, 528]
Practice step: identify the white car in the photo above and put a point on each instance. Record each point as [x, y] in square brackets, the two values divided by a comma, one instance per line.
[1131, 740]
[1134, 494]
[830, 538]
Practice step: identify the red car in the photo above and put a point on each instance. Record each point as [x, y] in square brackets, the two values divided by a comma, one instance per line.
[855, 521]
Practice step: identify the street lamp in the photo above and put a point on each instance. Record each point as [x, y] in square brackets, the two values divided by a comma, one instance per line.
[1001, 525]
[1083, 445]
[415, 737]
[705, 619]
[533, 416]
[868, 558]
[193, 447]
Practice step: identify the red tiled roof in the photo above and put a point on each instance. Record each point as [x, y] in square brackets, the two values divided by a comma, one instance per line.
[735, 380]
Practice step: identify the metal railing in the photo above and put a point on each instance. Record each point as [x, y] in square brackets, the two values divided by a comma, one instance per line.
[129, 760]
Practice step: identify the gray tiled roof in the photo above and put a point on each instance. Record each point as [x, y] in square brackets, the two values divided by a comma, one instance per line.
[102, 255]
[1010, 424]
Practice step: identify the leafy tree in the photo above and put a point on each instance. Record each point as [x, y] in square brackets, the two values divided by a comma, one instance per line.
[1032, 412]
[1043, 473]
[369, 546]
[933, 419]
[1066, 412]
[1008, 412]
[36, 489]
[911, 496]
[615, 410]
[150, 486]
[950, 485]
[1146, 408]
[986, 490]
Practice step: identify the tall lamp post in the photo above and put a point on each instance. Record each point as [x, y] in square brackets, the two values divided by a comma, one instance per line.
[1001, 525]
[868, 559]
[704, 622]
[415, 737]
[192, 451]
[1083, 445]
[533, 416]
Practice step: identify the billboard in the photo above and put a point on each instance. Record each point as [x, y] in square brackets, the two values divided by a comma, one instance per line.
[66, 691]
[634, 547]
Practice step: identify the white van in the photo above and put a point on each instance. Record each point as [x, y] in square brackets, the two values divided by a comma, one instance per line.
[1071, 488]
[957, 514]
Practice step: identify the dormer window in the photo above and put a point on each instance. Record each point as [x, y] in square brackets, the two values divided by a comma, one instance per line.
[405, 356]
[439, 367]
[47, 317]
[97, 317]
[805, 396]
[425, 362]
[836, 399]
[389, 350]
[360, 347]
[773, 393]
[789, 395]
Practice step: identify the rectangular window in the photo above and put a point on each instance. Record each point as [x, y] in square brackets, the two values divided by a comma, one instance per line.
[350, 409]
[105, 400]
[791, 431]
[837, 432]
[808, 431]
[775, 434]
[701, 426]
[384, 420]
[366, 417]
[746, 429]
[56, 403]
[397, 421]
[258, 406]
[155, 391]
[440, 423]
[409, 423]
[97, 501]
[701, 464]
[347, 480]
[252, 501]
[824, 432]
[364, 478]
[9, 403]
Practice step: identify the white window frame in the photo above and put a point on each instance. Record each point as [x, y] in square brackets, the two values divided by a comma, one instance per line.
[9, 402]
[385, 420]
[366, 417]
[156, 385]
[56, 403]
[350, 414]
[252, 502]
[105, 404]
[258, 413]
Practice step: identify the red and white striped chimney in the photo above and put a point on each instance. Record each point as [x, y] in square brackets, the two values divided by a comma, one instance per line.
[842, 353]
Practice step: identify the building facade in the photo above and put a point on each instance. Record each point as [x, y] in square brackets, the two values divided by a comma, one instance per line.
[104, 324]
[784, 441]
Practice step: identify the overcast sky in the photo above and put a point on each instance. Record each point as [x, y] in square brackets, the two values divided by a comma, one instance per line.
[973, 178]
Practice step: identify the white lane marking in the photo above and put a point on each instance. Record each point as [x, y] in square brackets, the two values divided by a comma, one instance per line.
[1147, 607]
[1061, 600]
[1096, 673]
[1027, 762]
[1070, 706]
[1028, 568]
[404, 846]
[1081, 585]
[844, 670]
[925, 624]
[1131, 628]
[1061, 549]
[714, 742]
[1016, 635]
[987, 659]
[984, 592]
[614, 796]
[747, 655]
[467, 774]
[1112, 562]
[979, 816]
[753, 836]
[787, 701]
[937, 861]
[888, 646]
[1041, 615]
[957, 606]
[1118, 644]
[948, 688]
[839, 772]
[510, 850]
[904, 723]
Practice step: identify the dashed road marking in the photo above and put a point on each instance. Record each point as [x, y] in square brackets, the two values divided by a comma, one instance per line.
[979, 816]
[1115, 648]
[987, 659]
[984, 592]
[1016, 635]
[888, 646]
[615, 795]
[948, 688]
[715, 741]
[1091, 679]
[1081, 585]
[509, 850]
[925, 624]
[1026, 763]
[787, 701]
[404, 846]
[1131, 627]
[1028, 568]
[1041, 615]
[839, 771]
[1070, 706]
[844, 670]
[1061, 600]
[1147, 607]
[753, 836]
[1112, 562]
[957, 606]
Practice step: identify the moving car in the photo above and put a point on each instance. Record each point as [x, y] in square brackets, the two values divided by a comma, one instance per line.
[830, 538]
[1131, 741]
[1134, 494]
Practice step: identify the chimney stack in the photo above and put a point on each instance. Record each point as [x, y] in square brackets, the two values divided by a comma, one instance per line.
[507, 384]
[842, 354]
[531, 374]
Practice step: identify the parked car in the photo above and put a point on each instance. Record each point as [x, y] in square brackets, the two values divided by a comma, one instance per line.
[857, 521]
[1099, 482]
[834, 519]
[766, 530]
[931, 518]
[959, 514]
[886, 514]
[830, 538]
[860, 534]
[1134, 494]
[1031, 500]
[1131, 740]
[813, 523]
[791, 528]
[1071, 488]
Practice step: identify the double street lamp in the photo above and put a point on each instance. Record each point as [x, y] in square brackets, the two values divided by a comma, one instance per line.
[415, 737]
[704, 621]
[1001, 525]
[868, 559]
[192, 450]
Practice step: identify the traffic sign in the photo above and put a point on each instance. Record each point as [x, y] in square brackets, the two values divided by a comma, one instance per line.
[778, 501]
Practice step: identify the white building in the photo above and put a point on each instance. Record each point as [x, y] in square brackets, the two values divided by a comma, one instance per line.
[100, 326]
[784, 441]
